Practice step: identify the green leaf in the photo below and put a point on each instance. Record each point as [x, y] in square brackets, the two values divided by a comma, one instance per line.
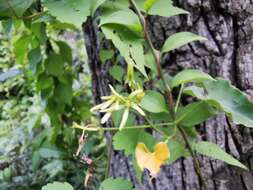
[14, 8]
[123, 17]
[95, 5]
[116, 184]
[105, 55]
[34, 57]
[195, 113]
[127, 140]
[214, 151]
[221, 94]
[21, 48]
[154, 102]
[180, 39]
[63, 93]
[177, 150]
[117, 72]
[163, 8]
[74, 12]
[128, 44]
[148, 4]
[58, 186]
[186, 76]
[65, 51]
[54, 64]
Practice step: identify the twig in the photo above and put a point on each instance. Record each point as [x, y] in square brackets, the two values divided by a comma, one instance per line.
[179, 97]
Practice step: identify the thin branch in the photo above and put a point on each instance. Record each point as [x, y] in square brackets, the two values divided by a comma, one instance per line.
[179, 97]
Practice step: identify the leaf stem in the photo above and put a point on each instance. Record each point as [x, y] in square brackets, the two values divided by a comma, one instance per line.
[157, 57]
[179, 97]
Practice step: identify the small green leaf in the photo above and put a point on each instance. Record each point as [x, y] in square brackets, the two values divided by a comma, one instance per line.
[154, 102]
[177, 150]
[117, 72]
[164, 8]
[95, 5]
[214, 151]
[186, 76]
[105, 55]
[58, 186]
[148, 4]
[129, 45]
[34, 57]
[180, 39]
[21, 48]
[116, 184]
[127, 140]
[195, 113]
[63, 93]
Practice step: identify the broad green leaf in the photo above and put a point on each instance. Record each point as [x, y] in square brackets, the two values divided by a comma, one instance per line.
[123, 17]
[127, 140]
[214, 151]
[180, 39]
[195, 113]
[154, 102]
[65, 51]
[21, 48]
[164, 8]
[74, 12]
[117, 72]
[13, 8]
[177, 150]
[63, 93]
[221, 94]
[54, 64]
[58, 186]
[186, 76]
[128, 44]
[116, 184]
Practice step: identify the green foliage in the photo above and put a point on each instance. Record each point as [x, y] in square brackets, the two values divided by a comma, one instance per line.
[58, 186]
[214, 151]
[227, 98]
[114, 184]
[180, 39]
[127, 140]
[154, 102]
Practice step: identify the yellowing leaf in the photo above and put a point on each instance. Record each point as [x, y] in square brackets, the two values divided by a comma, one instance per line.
[152, 160]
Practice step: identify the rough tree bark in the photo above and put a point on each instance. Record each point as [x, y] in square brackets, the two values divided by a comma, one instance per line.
[228, 53]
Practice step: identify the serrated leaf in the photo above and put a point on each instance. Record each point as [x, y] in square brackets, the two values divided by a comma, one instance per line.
[154, 102]
[165, 8]
[74, 12]
[128, 44]
[116, 184]
[127, 140]
[214, 151]
[190, 75]
[195, 113]
[224, 96]
[14, 8]
[180, 39]
[58, 186]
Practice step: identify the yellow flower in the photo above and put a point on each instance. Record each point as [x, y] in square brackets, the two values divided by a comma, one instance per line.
[152, 160]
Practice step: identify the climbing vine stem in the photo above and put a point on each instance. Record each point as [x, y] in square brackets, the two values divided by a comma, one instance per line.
[157, 56]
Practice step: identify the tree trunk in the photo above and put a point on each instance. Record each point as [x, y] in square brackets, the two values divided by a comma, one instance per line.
[228, 53]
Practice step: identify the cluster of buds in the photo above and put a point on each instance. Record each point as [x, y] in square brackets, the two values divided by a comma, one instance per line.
[116, 102]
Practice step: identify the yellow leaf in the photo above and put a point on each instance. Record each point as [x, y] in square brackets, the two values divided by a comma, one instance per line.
[152, 160]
